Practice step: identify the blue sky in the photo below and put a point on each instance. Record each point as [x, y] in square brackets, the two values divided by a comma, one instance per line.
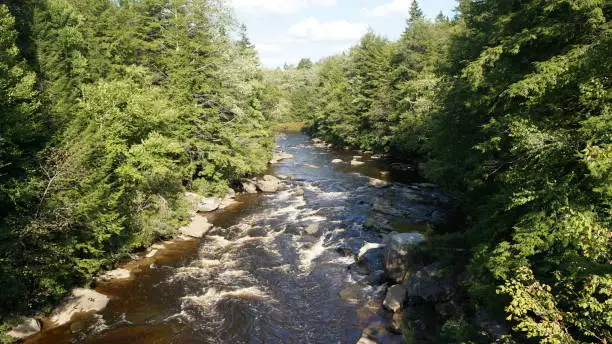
[287, 30]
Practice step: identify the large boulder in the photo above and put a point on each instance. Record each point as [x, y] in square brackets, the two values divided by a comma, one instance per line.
[395, 298]
[209, 204]
[198, 227]
[81, 301]
[397, 254]
[429, 284]
[269, 184]
[27, 328]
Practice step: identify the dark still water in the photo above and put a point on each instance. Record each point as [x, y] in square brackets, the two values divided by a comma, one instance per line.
[259, 277]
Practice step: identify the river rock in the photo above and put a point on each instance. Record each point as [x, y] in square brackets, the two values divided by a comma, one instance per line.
[249, 187]
[280, 156]
[337, 161]
[397, 323]
[312, 229]
[268, 184]
[81, 301]
[357, 163]
[198, 227]
[396, 254]
[371, 256]
[317, 140]
[395, 298]
[117, 274]
[209, 204]
[366, 340]
[349, 246]
[230, 193]
[429, 284]
[299, 192]
[27, 328]
[378, 183]
[152, 253]
[378, 333]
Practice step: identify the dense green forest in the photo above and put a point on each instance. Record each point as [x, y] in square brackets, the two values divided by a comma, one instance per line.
[509, 104]
[110, 110]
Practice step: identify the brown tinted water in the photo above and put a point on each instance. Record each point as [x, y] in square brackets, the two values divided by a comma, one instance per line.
[258, 277]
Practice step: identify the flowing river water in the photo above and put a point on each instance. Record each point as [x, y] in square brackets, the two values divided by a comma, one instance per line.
[258, 277]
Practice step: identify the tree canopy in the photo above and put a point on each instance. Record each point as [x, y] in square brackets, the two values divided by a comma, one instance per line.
[111, 110]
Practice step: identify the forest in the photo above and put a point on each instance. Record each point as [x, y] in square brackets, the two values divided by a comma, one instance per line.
[111, 110]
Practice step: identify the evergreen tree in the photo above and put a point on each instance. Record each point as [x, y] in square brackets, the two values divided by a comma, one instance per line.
[415, 14]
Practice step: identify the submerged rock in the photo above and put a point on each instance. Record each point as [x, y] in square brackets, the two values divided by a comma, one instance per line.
[269, 184]
[280, 156]
[397, 254]
[27, 328]
[312, 229]
[81, 301]
[198, 227]
[378, 183]
[228, 202]
[352, 293]
[118, 274]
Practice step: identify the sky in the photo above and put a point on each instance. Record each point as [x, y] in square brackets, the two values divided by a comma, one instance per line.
[284, 31]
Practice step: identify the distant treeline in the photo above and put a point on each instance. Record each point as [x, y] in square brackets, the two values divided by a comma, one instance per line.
[110, 110]
[510, 105]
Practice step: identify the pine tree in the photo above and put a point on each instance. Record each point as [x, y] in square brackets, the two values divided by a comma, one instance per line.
[415, 14]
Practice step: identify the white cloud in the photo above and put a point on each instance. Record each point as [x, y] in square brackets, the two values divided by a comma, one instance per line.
[390, 9]
[280, 7]
[338, 30]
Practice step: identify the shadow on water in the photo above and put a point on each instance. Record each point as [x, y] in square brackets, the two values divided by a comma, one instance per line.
[274, 270]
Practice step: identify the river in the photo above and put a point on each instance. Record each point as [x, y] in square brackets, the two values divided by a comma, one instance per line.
[258, 277]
